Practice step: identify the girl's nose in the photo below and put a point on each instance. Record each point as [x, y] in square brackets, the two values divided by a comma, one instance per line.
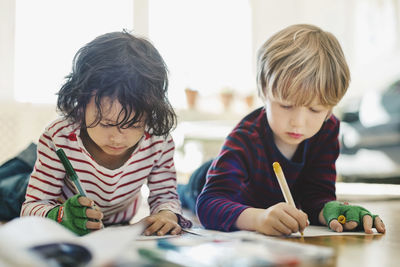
[116, 135]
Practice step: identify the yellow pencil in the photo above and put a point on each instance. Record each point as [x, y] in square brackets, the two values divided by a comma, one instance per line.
[283, 184]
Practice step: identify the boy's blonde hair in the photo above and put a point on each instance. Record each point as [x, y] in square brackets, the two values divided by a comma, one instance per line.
[302, 62]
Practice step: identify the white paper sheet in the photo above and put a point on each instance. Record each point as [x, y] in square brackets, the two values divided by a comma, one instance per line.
[154, 237]
[312, 230]
[208, 246]
[105, 245]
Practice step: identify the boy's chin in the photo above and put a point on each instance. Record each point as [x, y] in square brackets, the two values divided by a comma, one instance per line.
[294, 142]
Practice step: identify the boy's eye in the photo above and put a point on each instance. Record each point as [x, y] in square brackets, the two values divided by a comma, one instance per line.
[315, 110]
[286, 106]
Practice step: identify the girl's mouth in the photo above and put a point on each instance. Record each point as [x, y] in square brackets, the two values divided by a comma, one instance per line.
[115, 148]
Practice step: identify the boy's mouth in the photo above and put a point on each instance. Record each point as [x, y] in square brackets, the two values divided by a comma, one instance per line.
[295, 135]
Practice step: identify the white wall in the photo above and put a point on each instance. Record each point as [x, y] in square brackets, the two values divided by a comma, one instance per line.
[141, 17]
[7, 38]
[372, 65]
[21, 124]
[270, 16]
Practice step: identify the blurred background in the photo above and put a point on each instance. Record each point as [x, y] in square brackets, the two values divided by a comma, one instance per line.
[209, 47]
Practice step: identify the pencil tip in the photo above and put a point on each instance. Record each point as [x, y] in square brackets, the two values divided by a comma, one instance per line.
[276, 166]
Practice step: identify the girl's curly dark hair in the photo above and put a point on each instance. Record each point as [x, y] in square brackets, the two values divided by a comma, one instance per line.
[125, 68]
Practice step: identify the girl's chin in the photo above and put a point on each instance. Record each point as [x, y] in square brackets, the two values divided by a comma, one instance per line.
[114, 152]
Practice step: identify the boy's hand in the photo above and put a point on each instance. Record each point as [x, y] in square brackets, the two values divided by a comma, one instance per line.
[342, 216]
[281, 219]
[78, 215]
[162, 223]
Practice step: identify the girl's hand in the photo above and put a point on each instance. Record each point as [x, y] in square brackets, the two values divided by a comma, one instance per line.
[342, 216]
[281, 219]
[162, 223]
[93, 214]
[78, 214]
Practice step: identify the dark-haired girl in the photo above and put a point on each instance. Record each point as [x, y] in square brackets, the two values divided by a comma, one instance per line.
[115, 132]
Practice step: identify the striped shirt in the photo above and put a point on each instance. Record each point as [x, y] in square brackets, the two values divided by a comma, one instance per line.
[116, 192]
[242, 175]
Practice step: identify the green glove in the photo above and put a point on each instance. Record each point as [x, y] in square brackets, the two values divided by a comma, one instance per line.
[72, 215]
[345, 213]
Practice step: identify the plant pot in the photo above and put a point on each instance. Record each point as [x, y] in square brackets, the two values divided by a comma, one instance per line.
[191, 98]
[249, 100]
[226, 99]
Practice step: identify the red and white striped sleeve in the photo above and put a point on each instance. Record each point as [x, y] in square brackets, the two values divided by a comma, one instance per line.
[162, 181]
[46, 180]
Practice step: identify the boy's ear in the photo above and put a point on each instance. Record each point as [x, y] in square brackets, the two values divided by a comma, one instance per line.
[328, 115]
[261, 95]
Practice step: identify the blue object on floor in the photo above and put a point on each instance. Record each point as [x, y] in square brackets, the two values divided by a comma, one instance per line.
[14, 177]
[189, 192]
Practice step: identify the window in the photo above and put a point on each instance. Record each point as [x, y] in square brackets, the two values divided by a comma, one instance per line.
[49, 33]
[376, 31]
[207, 45]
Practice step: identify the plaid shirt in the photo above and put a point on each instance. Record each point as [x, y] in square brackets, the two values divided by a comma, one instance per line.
[242, 175]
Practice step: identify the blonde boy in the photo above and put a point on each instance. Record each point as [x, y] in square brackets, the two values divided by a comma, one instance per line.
[301, 75]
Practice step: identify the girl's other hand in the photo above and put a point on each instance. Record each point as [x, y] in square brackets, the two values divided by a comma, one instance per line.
[162, 223]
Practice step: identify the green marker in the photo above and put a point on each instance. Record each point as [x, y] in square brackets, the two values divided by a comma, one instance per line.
[70, 171]
[72, 174]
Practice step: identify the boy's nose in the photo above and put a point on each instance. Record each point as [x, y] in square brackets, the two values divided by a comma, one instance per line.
[297, 118]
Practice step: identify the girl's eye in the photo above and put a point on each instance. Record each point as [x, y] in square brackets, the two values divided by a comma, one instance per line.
[105, 125]
[136, 126]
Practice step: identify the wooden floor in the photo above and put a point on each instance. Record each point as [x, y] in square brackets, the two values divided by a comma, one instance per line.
[369, 250]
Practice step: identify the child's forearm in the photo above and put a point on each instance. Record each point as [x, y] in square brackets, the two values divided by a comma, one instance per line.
[248, 219]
